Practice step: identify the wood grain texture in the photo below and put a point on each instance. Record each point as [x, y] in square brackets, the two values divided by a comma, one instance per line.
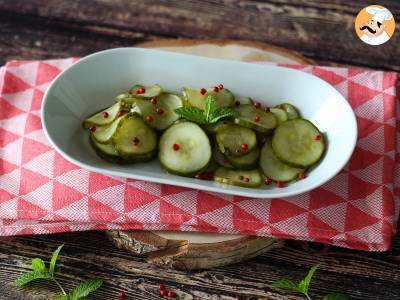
[317, 29]
[363, 275]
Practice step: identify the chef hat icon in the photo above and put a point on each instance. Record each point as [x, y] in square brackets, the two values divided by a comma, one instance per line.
[379, 14]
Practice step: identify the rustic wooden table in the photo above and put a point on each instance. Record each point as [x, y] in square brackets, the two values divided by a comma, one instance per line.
[321, 30]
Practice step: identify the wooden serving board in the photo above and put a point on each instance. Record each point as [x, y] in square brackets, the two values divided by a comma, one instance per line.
[195, 250]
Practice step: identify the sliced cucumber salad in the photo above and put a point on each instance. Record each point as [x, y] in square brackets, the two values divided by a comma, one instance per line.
[208, 134]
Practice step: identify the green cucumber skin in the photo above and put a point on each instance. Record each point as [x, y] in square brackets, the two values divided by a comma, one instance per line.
[93, 144]
[301, 166]
[140, 158]
[242, 165]
[109, 140]
[225, 150]
[188, 174]
[220, 158]
[245, 101]
[291, 110]
[246, 114]
[126, 161]
[193, 97]
[277, 113]
[127, 101]
[146, 95]
[280, 171]
[213, 128]
[86, 124]
[236, 182]
[115, 137]
[167, 102]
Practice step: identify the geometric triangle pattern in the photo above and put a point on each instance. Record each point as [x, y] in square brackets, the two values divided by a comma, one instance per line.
[41, 193]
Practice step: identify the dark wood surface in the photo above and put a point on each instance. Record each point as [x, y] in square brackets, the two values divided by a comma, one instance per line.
[321, 30]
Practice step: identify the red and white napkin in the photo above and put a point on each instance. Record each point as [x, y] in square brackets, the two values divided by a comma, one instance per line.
[40, 192]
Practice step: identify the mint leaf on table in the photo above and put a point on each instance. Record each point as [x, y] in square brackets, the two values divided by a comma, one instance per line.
[54, 259]
[336, 296]
[192, 114]
[40, 271]
[300, 287]
[30, 276]
[38, 265]
[305, 282]
[84, 288]
[63, 297]
[286, 284]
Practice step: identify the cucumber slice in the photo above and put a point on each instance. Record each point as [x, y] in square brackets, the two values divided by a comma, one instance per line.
[248, 116]
[273, 168]
[104, 134]
[162, 113]
[298, 143]
[126, 161]
[184, 149]
[250, 178]
[220, 158]
[280, 114]
[223, 98]
[292, 111]
[133, 137]
[245, 162]
[231, 138]
[126, 102]
[244, 101]
[106, 149]
[150, 92]
[99, 118]
[140, 157]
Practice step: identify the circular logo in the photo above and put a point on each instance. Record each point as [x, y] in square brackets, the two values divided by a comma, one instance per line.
[374, 25]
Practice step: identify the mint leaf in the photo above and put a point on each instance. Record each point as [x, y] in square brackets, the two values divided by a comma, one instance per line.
[28, 277]
[85, 288]
[286, 284]
[54, 259]
[336, 296]
[222, 112]
[63, 297]
[192, 113]
[38, 265]
[304, 283]
[209, 107]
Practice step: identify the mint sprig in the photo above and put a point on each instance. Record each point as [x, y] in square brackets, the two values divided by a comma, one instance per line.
[192, 113]
[40, 271]
[210, 114]
[84, 288]
[303, 285]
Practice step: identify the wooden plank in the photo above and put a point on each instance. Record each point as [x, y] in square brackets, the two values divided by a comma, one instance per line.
[362, 275]
[33, 38]
[298, 25]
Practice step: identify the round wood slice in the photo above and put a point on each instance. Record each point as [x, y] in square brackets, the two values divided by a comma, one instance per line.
[195, 250]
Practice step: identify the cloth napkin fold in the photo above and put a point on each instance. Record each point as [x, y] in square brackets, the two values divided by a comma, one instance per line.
[40, 192]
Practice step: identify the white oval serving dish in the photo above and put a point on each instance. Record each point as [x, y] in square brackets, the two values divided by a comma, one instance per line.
[92, 83]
